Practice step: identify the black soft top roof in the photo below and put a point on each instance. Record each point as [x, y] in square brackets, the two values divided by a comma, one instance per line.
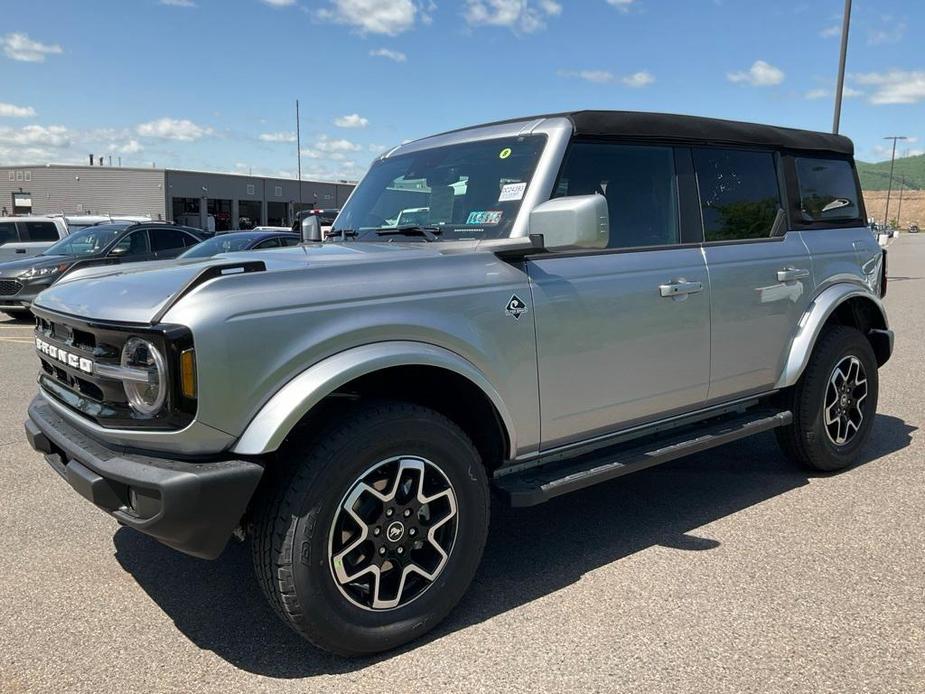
[667, 126]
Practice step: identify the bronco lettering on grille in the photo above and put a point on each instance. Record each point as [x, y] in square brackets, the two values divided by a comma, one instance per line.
[62, 355]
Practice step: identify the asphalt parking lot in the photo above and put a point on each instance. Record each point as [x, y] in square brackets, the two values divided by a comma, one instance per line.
[731, 571]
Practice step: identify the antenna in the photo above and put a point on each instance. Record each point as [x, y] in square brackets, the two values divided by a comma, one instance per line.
[298, 150]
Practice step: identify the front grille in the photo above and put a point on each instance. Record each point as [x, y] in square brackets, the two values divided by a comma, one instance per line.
[10, 287]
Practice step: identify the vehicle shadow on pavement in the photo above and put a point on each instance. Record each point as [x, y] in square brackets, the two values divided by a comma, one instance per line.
[530, 553]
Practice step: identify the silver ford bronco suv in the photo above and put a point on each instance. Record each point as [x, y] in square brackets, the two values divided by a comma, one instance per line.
[530, 306]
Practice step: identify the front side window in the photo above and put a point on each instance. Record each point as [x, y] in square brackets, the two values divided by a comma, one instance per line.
[467, 191]
[739, 193]
[828, 190]
[638, 184]
[135, 243]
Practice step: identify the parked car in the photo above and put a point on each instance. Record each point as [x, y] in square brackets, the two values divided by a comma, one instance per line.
[23, 237]
[22, 280]
[913, 228]
[236, 241]
[659, 284]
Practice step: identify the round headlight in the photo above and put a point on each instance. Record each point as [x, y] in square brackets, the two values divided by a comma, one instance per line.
[145, 396]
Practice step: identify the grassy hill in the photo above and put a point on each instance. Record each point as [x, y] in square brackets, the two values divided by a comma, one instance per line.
[877, 176]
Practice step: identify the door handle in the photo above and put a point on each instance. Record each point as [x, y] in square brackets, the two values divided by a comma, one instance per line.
[789, 274]
[20, 250]
[680, 288]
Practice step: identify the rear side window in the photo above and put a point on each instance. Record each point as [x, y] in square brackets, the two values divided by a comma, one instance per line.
[739, 193]
[169, 240]
[8, 233]
[638, 184]
[828, 190]
[41, 231]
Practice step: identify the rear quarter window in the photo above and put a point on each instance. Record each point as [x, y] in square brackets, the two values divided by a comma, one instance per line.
[8, 233]
[828, 190]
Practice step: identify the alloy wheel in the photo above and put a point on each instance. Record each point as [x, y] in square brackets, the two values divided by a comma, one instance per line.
[845, 394]
[393, 533]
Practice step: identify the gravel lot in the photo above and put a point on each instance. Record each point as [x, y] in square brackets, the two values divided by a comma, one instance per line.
[727, 572]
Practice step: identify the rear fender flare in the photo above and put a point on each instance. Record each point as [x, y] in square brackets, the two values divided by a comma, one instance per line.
[812, 322]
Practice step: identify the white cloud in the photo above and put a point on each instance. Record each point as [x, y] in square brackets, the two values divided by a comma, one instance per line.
[13, 111]
[329, 146]
[179, 3]
[20, 47]
[891, 32]
[277, 137]
[173, 129]
[813, 94]
[130, 147]
[396, 56]
[518, 15]
[894, 86]
[850, 93]
[390, 17]
[36, 135]
[278, 3]
[760, 74]
[354, 120]
[642, 78]
[622, 5]
[830, 31]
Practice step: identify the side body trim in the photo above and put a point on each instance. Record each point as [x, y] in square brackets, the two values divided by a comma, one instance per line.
[811, 325]
[276, 418]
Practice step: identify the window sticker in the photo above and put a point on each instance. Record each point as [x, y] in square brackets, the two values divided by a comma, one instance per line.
[504, 153]
[485, 217]
[512, 191]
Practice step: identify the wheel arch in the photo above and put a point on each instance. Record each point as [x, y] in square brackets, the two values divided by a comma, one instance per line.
[387, 369]
[840, 304]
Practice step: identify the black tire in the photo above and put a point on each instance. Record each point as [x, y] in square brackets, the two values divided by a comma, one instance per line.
[24, 314]
[292, 525]
[806, 440]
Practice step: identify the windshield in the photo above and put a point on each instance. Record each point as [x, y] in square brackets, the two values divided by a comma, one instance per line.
[466, 191]
[89, 241]
[219, 244]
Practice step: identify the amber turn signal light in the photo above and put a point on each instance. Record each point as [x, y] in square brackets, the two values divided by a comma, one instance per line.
[188, 373]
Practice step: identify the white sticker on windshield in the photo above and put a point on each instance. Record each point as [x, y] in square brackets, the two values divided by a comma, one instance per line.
[512, 191]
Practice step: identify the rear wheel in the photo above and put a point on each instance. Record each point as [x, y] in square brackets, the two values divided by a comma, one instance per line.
[833, 403]
[375, 530]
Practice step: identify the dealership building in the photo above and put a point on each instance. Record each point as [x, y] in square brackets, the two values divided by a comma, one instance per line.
[197, 198]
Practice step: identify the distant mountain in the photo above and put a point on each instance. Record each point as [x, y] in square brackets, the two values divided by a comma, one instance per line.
[877, 176]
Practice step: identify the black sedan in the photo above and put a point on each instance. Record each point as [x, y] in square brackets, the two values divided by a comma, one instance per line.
[233, 241]
[22, 280]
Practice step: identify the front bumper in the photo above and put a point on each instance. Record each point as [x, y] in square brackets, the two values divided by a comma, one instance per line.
[22, 300]
[190, 506]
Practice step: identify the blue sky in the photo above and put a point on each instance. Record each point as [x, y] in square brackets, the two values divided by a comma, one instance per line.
[211, 84]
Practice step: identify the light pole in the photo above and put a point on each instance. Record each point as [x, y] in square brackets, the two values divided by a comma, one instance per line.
[840, 84]
[886, 214]
[899, 212]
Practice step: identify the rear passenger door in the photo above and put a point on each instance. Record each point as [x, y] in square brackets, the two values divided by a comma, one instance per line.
[760, 273]
[623, 333]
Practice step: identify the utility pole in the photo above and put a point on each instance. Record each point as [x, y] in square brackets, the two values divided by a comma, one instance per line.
[840, 84]
[886, 214]
[298, 150]
[899, 212]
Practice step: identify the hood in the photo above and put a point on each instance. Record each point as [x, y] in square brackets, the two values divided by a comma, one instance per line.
[136, 292]
[14, 268]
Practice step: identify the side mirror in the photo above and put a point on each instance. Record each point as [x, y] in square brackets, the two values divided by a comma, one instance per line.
[311, 229]
[579, 221]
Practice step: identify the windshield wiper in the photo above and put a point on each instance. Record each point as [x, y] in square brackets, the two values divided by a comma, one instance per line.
[428, 232]
[343, 233]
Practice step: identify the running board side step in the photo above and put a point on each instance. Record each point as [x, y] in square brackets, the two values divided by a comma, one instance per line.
[543, 482]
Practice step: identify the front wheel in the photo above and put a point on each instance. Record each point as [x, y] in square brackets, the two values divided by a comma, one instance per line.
[833, 403]
[375, 529]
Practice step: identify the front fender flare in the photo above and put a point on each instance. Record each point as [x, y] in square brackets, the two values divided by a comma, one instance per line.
[282, 412]
[811, 325]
